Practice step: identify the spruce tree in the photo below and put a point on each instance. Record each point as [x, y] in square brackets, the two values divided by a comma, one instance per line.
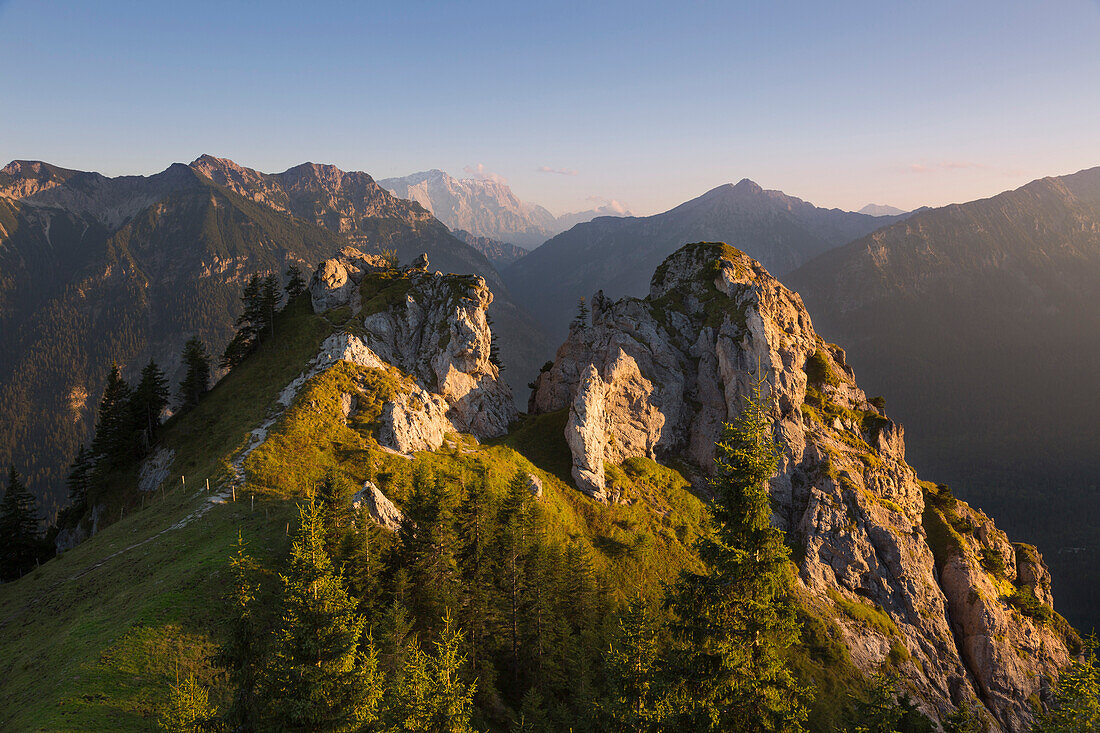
[734, 622]
[431, 696]
[242, 653]
[334, 494]
[581, 319]
[318, 678]
[19, 536]
[427, 546]
[296, 285]
[515, 525]
[633, 703]
[80, 477]
[1076, 704]
[115, 430]
[269, 303]
[188, 707]
[148, 402]
[196, 381]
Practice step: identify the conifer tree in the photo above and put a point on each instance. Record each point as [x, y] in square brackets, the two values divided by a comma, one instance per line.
[296, 285]
[880, 712]
[268, 305]
[19, 536]
[966, 718]
[1076, 704]
[581, 319]
[80, 477]
[115, 432]
[431, 695]
[196, 381]
[632, 666]
[515, 524]
[734, 621]
[479, 613]
[242, 653]
[318, 678]
[188, 707]
[427, 546]
[334, 496]
[149, 400]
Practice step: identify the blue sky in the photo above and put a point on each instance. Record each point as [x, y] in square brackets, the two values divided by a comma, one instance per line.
[840, 103]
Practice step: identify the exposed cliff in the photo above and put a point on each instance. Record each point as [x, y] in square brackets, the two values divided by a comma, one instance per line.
[929, 587]
[432, 331]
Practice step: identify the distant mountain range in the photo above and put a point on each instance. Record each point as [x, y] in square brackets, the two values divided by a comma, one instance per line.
[96, 269]
[488, 208]
[617, 255]
[500, 254]
[881, 210]
[981, 322]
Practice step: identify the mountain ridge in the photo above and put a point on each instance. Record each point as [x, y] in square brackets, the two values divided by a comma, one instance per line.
[176, 246]
[615, 254]
[993, 307]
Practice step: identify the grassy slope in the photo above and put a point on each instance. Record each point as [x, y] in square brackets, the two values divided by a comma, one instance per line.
[93, 639]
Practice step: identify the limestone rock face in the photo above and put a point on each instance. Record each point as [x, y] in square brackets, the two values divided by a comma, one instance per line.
[437, 333]
[431, 331]
[658, 377]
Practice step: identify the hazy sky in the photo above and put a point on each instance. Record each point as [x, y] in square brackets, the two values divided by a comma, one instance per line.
[839, 103]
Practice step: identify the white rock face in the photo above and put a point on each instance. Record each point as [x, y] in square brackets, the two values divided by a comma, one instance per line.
[381, 509]
[658, 377]
[430, 332]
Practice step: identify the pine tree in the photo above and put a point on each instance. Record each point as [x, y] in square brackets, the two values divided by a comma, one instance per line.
[318, 678]
[196, 381]
[80, 477]
[632, 668]
[19, 536]
[430, 695]
[1076, 704]
[734, 622]
[115, 431]
[296, 285]
[148, 402]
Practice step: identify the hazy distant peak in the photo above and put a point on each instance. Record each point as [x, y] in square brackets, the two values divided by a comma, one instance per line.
[746, 185]
[881, 210]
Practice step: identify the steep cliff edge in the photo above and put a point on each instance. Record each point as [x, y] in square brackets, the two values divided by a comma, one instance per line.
[917, 580]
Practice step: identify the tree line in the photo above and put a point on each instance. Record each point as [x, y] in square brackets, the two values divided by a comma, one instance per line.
[474, 616]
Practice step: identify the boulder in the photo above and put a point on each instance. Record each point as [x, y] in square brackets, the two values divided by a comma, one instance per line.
[331, 286]
[383, 511]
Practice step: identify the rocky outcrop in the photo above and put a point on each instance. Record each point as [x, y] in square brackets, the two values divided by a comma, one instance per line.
[335, 283]
[658, 376]
[383, 511]
[432, 332]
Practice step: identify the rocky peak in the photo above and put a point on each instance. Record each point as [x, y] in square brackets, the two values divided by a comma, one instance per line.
[433, 329]
[658, 376]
